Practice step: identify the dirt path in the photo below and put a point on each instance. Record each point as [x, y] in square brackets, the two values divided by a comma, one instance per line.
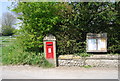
[31, 72]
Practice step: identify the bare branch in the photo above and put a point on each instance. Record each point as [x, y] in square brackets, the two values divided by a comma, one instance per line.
[8, 19]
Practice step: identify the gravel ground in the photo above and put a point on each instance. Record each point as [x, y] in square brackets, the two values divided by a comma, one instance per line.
[32, 72]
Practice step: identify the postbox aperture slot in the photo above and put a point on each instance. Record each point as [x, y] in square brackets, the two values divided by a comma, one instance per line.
[49, 44]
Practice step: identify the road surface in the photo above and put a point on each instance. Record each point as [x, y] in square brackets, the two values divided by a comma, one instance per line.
[32, 72]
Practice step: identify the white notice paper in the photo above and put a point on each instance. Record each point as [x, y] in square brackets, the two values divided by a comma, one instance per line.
[101, 44]
[91, 44]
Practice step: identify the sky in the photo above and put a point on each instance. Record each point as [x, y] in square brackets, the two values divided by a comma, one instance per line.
[3, 7]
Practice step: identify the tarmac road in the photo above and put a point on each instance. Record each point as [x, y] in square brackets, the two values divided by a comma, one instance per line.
[32, 72]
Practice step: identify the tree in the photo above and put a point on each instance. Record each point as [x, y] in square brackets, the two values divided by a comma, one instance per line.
[37, 24]
[94, 17]
[0, 26]
[69, 22]
[88, 17]
[8, 20]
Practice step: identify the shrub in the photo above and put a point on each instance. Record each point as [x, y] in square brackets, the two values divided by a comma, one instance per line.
[70, 47]
[114, 49]
[8, 31]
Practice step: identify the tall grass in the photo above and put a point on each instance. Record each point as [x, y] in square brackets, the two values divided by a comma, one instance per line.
[14, 54]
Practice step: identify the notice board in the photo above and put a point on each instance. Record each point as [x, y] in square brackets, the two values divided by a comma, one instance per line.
[96, 42]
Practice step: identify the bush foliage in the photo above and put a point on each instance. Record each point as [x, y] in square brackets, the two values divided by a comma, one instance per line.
[8, 31]
[69, 22]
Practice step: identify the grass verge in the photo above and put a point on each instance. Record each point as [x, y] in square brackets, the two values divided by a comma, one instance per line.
[14, 54]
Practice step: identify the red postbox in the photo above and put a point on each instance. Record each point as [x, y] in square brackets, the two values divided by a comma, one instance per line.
[49, 50]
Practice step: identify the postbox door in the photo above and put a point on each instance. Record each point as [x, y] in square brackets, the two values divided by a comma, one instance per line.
[49, 50]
